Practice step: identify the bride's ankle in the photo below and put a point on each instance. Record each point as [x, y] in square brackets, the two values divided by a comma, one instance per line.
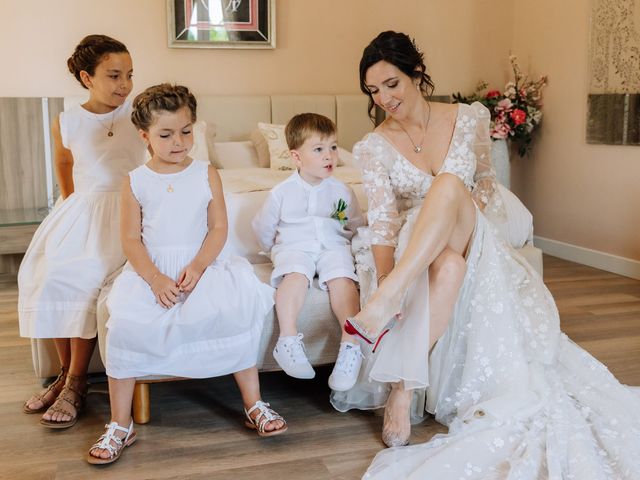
[385, 304]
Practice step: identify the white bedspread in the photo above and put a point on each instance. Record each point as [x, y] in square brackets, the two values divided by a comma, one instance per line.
[242, 180]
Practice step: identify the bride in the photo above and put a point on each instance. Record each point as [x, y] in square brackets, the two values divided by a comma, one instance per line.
[521, 400]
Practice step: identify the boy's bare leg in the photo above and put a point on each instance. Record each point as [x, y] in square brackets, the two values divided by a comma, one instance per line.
[290, 296]
[345, 302]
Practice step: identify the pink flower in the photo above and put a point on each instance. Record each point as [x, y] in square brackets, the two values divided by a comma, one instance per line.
[492, 94]
[500, 132]
[518, 116]
[504, 105]
[500, 128]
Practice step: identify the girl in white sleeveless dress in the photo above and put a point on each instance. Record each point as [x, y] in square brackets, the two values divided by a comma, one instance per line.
[521, 400]
[175, 309]
[77, 246]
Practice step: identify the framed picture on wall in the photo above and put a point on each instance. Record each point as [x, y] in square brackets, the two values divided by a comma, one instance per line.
[221, 23]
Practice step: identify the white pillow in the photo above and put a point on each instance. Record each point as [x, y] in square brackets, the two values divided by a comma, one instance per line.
[345, 158]
[200, 151]
[236, 155]
[518, 229]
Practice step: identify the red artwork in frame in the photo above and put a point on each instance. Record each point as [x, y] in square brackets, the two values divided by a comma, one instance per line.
[221, 23]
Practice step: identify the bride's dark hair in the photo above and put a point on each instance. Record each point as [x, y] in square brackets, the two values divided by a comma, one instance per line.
[400, 50]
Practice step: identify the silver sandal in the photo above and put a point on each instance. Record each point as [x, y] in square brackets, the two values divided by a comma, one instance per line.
[261, 420]
[114, 445]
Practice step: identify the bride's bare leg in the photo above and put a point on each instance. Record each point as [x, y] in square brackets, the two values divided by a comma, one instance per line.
[446, 275]
[446, 220]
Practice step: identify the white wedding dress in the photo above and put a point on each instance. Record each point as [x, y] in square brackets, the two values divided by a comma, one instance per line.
[521, 400]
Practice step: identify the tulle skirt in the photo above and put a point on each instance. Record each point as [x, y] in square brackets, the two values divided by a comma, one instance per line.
[521, 400]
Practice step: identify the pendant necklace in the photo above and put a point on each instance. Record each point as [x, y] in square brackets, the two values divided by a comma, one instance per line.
[168, 184]
[417, 148]
[109, 129]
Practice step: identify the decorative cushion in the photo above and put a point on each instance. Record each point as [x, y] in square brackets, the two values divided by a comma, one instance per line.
[236, 155]
[279, 158]
[272, 141]
[262, 148]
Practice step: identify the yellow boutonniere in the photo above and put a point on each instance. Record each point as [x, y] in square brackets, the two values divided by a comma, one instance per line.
[339, 212]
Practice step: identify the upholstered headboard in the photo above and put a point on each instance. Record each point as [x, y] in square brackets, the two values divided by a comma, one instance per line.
[235, 117]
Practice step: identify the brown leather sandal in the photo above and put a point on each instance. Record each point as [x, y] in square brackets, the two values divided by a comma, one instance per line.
[70, 395]
[47, 396]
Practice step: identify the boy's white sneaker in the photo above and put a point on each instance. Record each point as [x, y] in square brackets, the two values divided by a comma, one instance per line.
[290, 355]
[347, 367]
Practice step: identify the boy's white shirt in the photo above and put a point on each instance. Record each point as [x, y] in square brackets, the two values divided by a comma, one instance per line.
[297, 216]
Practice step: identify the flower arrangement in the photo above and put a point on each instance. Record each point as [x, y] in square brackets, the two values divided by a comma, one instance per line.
[516, 112]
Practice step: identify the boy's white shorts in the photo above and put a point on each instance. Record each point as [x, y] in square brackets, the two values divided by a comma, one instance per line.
[328, 264]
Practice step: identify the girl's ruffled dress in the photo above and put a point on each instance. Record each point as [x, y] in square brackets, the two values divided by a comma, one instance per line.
[213, 330]
[78, 245]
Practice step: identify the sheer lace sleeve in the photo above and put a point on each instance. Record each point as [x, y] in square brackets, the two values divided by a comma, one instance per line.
[383, 216]
[485, 193]
[354, 213]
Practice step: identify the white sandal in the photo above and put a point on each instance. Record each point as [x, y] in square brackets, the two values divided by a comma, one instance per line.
[261, 420]
[105, 443]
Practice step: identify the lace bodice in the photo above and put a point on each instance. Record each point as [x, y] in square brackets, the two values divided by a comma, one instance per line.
[394, 185]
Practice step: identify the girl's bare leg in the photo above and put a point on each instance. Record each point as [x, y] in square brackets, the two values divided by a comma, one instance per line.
[446, 220]
[446, 275]
[121, 399]
[81, 350]
[249, 385]
[63, 348]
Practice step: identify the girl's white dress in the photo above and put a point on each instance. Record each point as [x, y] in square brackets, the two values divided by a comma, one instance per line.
[78, 244]
[213, 330]
[521, 400]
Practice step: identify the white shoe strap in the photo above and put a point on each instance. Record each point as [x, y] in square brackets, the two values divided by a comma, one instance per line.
[265, 416]
[104, 442]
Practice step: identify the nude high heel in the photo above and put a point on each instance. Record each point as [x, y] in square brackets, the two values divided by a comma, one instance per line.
[353, 328]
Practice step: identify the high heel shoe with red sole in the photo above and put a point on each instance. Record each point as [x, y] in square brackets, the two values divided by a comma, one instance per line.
[352, 328]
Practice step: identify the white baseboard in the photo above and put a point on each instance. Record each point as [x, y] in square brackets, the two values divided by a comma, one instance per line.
[586, 256]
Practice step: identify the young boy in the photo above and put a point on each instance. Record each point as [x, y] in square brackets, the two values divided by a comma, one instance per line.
[307, 223]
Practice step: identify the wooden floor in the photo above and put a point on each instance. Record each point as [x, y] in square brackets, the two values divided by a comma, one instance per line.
[196, 430]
